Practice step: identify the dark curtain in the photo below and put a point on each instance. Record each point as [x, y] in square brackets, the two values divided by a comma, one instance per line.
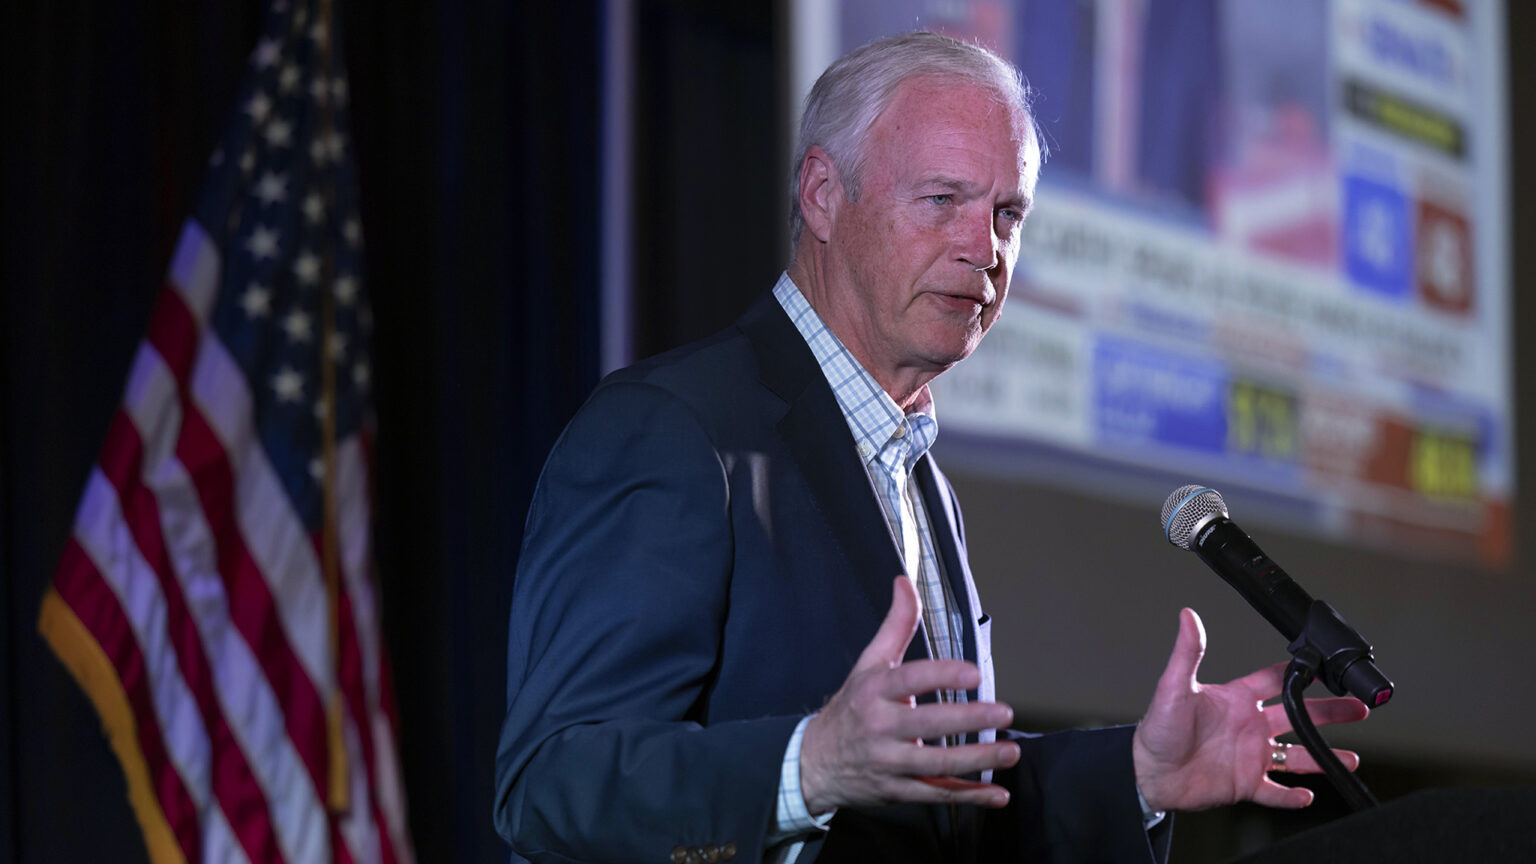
[477, 130]
[478, 140]
[709, 187]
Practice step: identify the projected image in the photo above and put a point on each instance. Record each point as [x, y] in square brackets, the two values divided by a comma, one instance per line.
[1267, 254]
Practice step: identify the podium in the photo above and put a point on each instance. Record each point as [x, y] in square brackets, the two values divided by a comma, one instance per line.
[1477, 826]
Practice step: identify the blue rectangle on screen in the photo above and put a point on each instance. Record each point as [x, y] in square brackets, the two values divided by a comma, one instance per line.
[1377, 237]
[1146, 395]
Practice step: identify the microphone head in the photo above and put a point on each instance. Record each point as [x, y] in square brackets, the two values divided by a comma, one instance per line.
[1187, 510]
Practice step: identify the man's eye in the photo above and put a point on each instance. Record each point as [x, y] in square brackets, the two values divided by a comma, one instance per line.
[940, 200]
[1008, 214]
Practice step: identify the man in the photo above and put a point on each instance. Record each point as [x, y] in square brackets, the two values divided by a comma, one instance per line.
[709, 658]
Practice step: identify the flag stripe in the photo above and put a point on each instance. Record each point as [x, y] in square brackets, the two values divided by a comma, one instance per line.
[390, 788]
[352, 688]
[250, 599]
[360, 660]
[219, 840]
[104, 537]
[343, 853]
[195, 270]
[355, 506]
[269, 529]
[232, 782]
[355, 539]
[257, 725]
[81, 588]
[251, 605]
[356, 826]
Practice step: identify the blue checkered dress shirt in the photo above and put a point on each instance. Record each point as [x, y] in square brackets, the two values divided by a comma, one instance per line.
[889, 443]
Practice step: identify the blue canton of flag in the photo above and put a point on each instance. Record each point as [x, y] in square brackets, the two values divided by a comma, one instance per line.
[286, 216]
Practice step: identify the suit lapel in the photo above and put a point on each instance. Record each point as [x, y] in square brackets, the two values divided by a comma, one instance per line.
[817, 436]
[944, 517]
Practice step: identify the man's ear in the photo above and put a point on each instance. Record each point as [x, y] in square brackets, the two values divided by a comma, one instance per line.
[820, 192]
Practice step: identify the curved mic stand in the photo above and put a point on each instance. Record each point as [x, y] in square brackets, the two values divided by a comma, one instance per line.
[1297, 676]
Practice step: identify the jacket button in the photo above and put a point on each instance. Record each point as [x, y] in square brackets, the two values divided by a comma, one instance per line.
[679, 854]
[728, 851]
[711, 854]
[695, 856]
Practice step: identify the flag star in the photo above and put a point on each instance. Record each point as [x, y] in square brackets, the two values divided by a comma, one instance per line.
[322, 409]
[288, 385]
[319, 91]
[317, 151]
[336, 345]
[307, 268]
[268, 52]
[353, 231]
[256, 301]
[262, 243]
[279, 134]
[259, 107]
[361, 374]
[288, 78]
[319, 33]
[335, 143]
[314, 207]
[339, 90]
[317, 468]
[300, 18]
[298, 326]
[272, 188]
[248, 161]
[346, 290]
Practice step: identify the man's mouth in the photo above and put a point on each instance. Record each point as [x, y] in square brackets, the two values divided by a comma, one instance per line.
[970, 303]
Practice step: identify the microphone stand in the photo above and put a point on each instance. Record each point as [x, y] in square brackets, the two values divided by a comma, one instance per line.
[1311, 649]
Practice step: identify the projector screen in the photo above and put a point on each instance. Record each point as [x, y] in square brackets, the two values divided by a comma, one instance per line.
[1269, 254]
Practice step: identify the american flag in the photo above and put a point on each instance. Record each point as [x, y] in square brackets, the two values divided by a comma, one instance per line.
[217, 599]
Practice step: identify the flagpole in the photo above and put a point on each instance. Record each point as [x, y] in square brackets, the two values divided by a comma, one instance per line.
[338, 794]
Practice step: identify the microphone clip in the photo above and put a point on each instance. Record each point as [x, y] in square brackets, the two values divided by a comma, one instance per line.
[1330, 649]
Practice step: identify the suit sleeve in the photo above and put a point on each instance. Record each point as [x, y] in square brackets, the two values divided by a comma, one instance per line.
[1074, 802]
[621, 593]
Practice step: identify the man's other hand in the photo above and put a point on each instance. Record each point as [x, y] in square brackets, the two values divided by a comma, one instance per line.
[1204, 745]
[865, 746]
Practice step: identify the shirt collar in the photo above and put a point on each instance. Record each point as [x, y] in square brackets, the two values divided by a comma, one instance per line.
[880, 429]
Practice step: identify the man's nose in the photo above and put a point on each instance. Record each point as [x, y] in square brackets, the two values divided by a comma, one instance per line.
[976, 244]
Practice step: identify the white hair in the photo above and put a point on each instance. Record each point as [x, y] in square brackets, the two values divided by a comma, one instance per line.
[854, 91]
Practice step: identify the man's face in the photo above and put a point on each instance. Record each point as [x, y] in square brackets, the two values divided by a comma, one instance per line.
[922, 259]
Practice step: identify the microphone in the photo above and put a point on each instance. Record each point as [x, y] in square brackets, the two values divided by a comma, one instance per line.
[1195, 518]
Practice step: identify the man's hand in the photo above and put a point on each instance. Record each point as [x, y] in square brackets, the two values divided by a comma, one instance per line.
[865, 746]
[1204, 745]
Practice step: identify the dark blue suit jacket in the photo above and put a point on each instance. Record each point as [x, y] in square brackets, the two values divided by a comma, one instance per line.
[703, 562]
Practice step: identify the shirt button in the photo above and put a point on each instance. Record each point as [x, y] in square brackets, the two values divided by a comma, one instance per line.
[901, 430]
